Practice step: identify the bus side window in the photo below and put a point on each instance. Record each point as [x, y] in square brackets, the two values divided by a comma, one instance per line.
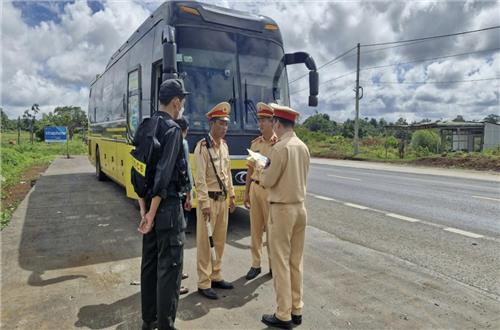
[133, 101]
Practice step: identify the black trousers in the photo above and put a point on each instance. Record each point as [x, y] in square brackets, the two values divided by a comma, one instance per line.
[161, 267]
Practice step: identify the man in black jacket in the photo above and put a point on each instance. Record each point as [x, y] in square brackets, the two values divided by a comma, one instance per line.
[162, 220]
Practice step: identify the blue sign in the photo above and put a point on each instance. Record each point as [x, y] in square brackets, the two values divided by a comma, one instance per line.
[55, 134]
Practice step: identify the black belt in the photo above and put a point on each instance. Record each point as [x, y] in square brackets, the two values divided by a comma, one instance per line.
[217, 195]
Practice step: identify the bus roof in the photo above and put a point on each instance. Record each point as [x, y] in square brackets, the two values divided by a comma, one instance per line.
[178, 13]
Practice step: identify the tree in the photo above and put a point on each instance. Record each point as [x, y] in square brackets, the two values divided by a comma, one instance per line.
[459, 119]
[71, 117]
[320, 122]
[5, 122]
[425, 139]
[29, 118]
[492, 118]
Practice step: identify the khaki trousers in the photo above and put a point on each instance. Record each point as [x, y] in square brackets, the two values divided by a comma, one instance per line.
[287, 227]
[207, 270]
[259, 215]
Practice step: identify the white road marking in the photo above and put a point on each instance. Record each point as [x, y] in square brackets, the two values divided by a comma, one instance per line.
[344, 177]
[489, 198]
[357, 206]
[402, 217]
[405, 218]
[463, 232]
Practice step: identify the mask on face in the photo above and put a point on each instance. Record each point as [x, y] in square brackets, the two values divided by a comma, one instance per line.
[181, 112]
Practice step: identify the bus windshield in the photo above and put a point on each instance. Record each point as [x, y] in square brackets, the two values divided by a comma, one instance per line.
[209, 61]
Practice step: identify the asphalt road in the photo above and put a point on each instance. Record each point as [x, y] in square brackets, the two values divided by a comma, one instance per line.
[448, 225]
[71, 257]
[464, 204]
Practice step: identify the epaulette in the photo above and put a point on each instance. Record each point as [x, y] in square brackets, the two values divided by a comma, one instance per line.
[274, 139]
[202, 143]
[257, 139]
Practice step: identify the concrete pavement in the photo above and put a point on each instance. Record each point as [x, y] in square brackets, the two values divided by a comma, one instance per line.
[72, 251]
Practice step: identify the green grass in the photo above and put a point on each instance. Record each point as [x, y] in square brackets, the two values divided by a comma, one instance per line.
[18, 158]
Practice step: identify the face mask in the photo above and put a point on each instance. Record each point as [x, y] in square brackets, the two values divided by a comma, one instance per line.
[181, 112]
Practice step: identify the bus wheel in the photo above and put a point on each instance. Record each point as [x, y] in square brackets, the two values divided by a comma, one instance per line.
[98, 170]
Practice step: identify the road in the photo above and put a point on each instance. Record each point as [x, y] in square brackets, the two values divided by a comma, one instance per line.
[465, 204]
[449, 225]
[71, 259]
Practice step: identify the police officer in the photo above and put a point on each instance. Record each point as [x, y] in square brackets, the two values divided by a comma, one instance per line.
[162, 220]
[214, 185]
[255, 194]
[285, 179]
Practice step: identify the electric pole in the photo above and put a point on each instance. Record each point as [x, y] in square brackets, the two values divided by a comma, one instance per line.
[358, 97]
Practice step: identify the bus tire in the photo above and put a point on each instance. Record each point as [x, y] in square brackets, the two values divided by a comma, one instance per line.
[98, 170]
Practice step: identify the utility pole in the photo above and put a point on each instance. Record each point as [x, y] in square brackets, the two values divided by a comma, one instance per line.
[356, 119]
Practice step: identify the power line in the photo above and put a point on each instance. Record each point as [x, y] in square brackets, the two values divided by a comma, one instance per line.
[335, 60]
[430, 59]
[428, 82]
[432, 37]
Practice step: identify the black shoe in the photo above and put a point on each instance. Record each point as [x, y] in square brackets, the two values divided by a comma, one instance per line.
[149, 325]
[184, 276]
[222, 285]
[273, 321]
[209, 293]
[252, 273]
[297, 319]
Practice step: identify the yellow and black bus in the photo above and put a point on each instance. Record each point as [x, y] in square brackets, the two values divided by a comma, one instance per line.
[220, 53]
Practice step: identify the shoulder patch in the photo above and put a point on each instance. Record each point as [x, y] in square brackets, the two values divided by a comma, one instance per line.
[257, 139]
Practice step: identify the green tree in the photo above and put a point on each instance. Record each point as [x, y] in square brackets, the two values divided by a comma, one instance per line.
[320, 122]
[5, 122]
[425, 139]
[492, 118]
[459, 119]
[71, 117]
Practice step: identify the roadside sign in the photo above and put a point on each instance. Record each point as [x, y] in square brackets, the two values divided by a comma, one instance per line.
[55, 134]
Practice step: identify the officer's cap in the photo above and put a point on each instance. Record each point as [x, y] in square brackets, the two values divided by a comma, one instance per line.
[282, 111]
[221, 111]
[264, 110]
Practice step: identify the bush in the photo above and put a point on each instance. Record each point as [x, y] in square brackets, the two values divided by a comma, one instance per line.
[425, 139]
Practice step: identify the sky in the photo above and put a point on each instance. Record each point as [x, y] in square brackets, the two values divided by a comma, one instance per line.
[51, 50]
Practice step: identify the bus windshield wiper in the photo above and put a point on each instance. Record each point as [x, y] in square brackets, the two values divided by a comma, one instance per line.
[249, 105]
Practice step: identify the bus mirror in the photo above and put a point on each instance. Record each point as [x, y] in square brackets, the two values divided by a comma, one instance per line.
[169, 54]
[276, 93]
[313, 101]
[313, 83]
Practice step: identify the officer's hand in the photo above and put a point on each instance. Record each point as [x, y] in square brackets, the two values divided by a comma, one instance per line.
[232, 205]
[146, 224]
[246, 201]
[143, 213]
[206, 212]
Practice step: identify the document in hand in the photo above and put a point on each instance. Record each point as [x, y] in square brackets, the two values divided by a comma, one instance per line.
[259, 159]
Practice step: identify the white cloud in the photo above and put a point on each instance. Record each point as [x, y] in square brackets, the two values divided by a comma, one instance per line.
[53, 62]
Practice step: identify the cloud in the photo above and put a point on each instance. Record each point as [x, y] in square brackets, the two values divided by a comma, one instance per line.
[51, 58]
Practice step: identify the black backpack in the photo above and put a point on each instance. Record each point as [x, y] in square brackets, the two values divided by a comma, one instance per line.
[145, 156]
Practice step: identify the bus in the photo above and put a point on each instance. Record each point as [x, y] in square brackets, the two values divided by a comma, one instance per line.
[221, 54]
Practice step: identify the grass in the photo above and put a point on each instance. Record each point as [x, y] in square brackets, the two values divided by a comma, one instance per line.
[16, 159]
[383, 149]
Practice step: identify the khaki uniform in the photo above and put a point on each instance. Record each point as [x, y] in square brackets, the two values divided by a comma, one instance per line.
[259, 210]
[206, 182]
[285, 181]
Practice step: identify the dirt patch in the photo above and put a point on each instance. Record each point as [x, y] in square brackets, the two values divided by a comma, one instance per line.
[472, 162]
[14, 194]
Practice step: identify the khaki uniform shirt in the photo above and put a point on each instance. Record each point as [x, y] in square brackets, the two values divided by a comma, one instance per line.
[263, 147]
[205, 178]
[286, 176]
